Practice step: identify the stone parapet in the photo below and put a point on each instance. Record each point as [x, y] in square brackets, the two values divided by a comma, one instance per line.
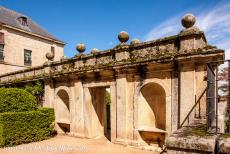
[188, 44]
[123, 56]
[224, 144]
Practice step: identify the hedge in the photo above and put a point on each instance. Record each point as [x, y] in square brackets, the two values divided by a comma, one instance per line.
[23, 127]
[16, 100]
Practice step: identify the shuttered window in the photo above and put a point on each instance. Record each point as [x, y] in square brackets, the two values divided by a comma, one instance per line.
[27, 57]
[2, 41]
[1, 52]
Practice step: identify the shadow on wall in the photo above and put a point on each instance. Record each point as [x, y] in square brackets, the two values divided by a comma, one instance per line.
[63, 95]
[63, 111]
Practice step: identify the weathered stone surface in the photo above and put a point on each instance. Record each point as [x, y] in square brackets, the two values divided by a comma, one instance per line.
[81, 47]
[94, 51]
[188, 20]
[50, 56]
[192, 139]
[123, 36]
[224, 144]
[135, 41]
[193, 143]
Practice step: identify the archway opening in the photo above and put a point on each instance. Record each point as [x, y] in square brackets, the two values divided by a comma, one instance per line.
[152, 113]
[63, 111]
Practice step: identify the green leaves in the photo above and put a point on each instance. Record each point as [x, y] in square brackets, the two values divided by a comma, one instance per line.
[20, 119]
[16, 100]
[34, 88]
[23, 127]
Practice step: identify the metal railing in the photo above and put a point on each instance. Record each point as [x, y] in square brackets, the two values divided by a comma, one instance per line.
[213, 94]
[197, 101]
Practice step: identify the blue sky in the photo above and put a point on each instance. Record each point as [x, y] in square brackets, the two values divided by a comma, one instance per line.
[97, 22]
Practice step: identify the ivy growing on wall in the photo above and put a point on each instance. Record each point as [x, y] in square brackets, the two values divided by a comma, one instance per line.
[34, 88]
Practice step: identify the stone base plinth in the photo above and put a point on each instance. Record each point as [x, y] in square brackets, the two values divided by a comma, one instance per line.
[191, 140]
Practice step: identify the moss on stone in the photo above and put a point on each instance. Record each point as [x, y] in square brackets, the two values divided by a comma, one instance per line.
[198, 130]
[225, 135]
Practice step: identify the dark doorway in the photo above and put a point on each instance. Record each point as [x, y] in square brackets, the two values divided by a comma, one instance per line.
[108, 125]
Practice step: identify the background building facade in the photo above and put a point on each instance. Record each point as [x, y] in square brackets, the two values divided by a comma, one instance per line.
[23, 43]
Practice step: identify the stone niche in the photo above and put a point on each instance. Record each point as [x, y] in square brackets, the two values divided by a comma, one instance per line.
[151, 112]
[62, 111]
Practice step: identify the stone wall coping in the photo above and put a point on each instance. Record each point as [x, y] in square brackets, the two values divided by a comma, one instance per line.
[161, 50]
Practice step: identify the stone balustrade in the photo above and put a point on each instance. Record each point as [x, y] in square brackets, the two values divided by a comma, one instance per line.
[186, 43]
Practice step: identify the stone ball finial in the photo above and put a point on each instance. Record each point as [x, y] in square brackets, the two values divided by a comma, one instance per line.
[80, 47]
[49, 56]
[123, 36]
[188, 20]
[135, 41]
[94, 51]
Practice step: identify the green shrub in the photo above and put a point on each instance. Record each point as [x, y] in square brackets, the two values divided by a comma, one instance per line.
[107, 98]
[16, 100]
[23, 127]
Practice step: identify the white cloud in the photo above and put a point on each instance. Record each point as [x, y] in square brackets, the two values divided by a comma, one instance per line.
[169, 27]
[110, 43]
[215, 22]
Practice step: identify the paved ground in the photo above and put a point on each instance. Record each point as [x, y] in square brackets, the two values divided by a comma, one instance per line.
[72, 145]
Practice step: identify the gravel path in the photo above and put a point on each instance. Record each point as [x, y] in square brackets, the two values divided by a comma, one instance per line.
[71, 145]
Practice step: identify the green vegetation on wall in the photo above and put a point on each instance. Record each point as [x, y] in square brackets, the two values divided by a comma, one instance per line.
[107, 98]
[34, 87]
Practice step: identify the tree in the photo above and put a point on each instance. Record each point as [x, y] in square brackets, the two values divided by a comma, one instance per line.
[223, 81]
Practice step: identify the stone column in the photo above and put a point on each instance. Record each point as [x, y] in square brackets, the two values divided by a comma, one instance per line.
[87, 111]
[121, 109]
[49, 93]
[187, 93]
[113, 113]
[77, 111]
[175, 100]
[130, 108]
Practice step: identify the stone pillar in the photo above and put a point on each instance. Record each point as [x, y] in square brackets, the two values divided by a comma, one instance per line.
[87, 111]
[121, 108]
[49, 93]
[77, 110]
[113, 113]
[187, 94]
[130, 107]
[175, 100]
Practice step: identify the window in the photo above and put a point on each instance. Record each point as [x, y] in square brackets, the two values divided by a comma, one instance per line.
[53, 51]
[23, 21]
[1, 52]
[27, 57]
[2, 41]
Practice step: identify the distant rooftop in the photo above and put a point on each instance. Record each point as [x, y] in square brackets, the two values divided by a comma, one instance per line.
[18, 20]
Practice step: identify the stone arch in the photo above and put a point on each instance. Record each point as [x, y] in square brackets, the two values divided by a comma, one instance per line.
[151, 100]
[152, 106]
[62, 109]
[64, 96]
[164, 86]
